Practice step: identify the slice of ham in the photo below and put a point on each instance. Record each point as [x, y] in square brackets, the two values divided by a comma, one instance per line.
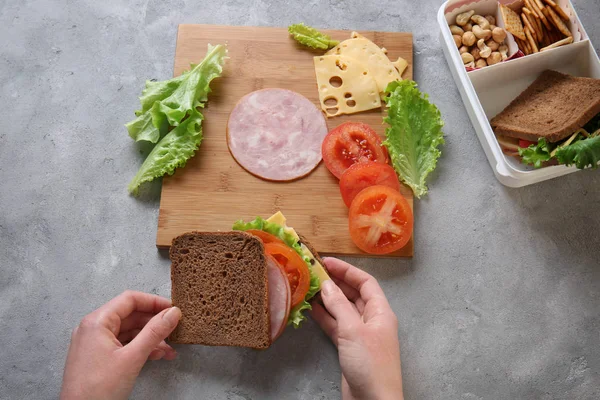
[280, 297]
[276, 134]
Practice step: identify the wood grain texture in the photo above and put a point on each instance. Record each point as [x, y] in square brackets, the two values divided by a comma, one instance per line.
[213, 191]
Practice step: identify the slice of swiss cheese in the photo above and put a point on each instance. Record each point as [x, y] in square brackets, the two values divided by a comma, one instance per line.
[345, 85]
[379, 65]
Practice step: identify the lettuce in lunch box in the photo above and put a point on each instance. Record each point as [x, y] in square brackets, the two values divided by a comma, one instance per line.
[581, 149]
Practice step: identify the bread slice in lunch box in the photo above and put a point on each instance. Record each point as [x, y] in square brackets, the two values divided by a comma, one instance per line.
[553, 107]
[219, 281]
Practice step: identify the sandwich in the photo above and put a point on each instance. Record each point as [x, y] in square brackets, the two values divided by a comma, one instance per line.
[556, 120]
[243, 287]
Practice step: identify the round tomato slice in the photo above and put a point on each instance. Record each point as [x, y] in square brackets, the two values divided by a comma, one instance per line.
[362, 175]
[294, 266]
[525, 143]
[381, 220]
[350, 143]
[264, 236]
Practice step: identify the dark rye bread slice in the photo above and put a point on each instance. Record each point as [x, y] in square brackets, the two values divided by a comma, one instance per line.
[314, 252]
[553, 107]
[219, 281]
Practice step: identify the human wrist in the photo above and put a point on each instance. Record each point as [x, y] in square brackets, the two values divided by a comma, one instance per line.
[391, 390]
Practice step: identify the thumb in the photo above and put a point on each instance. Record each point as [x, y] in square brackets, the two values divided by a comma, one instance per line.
[337, 304]
[155, 331]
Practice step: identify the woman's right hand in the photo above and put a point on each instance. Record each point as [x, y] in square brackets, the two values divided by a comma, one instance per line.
[360, 322]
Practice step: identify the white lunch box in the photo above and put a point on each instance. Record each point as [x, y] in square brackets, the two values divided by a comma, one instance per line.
[487, 91]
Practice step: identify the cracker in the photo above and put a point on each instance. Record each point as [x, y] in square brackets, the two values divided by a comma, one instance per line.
[547, 21]
[546, 40]
[529, 25]
[541, 14]
[563, 42]
[534, 47]
[540, 28]
[556, 35]
[551, 34]
[522, 46]
[558, 9]
[561, 13]
[530, 6]
[559, 22]
[539, 4]
[512, 22]
[539, 24]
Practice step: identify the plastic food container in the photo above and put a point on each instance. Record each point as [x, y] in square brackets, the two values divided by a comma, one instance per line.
[487, 91]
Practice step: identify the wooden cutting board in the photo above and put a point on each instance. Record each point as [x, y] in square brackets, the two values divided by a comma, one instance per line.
[213, 191]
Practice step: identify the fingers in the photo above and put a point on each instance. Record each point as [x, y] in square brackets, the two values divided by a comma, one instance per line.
[352, 294]
[338, 305]
[325, 321]
[153, 334]
[159, 353]
[364, 283]
[167, 352]
[129, 301]
[136, 320]
[156, 355]
[127, 336]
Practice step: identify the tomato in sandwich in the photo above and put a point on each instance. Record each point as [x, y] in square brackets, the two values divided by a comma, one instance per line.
[265, 236]
[295, 268]
[380, 220]
[350, 143]
[362, 175]
[526, 143]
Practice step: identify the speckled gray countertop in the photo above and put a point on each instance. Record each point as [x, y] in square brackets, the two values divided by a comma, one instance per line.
[502, 300]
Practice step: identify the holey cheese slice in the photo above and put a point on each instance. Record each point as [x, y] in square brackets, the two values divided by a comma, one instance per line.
[379, 65]
[345, 85]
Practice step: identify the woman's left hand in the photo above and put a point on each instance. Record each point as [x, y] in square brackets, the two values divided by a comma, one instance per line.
[111, 345]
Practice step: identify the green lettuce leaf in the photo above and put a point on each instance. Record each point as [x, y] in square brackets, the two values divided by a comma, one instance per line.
[168, 102]
[296, 317]
[146, 128]
[413, 135]
[159, 90]
[583, 153]
[171, 152]
[311, 37]
[274, 229]
[536, 154]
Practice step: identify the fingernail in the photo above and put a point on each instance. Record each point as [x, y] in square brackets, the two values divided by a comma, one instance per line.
[172, 316]
[327, 287]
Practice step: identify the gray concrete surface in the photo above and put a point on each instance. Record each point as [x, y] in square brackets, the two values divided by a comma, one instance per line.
[502, 300]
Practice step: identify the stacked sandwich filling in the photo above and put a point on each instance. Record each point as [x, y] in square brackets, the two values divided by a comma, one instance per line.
[291, 239]
[556, 120]
[242, 288]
